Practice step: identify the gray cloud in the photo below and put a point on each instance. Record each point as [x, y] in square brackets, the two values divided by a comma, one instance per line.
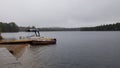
[61, 13]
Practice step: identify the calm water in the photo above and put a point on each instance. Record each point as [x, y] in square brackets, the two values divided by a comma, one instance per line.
[73, 50]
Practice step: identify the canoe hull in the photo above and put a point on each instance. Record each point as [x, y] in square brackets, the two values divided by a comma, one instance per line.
[37, 42]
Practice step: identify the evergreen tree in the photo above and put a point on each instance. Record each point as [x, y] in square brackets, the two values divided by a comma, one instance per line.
[9, 27]
[108, 27]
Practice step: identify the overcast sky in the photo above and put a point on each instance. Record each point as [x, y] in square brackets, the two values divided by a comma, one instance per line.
[60, 13]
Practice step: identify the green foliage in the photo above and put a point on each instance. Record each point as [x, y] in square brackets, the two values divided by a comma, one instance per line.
[1, 37]
[109, 27]
[8, 27]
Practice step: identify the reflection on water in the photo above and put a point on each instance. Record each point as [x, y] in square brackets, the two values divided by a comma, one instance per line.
[31, 55]
[75, 50]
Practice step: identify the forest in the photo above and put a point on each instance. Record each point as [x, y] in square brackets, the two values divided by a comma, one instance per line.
[8, 27]
[12, 27]
[107, 27]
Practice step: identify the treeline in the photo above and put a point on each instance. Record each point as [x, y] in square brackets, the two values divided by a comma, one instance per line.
[31, 29]
[108, 27]
[8, 27]
[59, 29]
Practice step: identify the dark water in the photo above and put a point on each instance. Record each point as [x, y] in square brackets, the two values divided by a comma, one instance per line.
[75, 50]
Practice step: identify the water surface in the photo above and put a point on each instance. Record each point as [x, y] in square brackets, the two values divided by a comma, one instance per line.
[74, 50]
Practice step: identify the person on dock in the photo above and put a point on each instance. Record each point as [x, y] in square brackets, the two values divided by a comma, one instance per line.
[37, 33]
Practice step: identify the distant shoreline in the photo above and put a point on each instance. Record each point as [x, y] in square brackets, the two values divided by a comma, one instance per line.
[107, 27]
[5, 28]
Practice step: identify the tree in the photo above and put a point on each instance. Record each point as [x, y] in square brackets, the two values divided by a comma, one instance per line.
[108, 27]
[9, 27]
[0, 37]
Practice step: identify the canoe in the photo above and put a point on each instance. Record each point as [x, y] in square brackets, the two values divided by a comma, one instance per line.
[43, 42]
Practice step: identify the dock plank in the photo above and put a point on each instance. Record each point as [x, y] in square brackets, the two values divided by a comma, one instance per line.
[7, 60]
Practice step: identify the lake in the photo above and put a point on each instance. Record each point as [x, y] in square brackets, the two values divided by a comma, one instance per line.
[74, 49]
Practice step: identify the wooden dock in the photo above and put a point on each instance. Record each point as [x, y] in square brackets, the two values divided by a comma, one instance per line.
[7, 60]
[15, 49]
[15, 41]
[32, 40]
